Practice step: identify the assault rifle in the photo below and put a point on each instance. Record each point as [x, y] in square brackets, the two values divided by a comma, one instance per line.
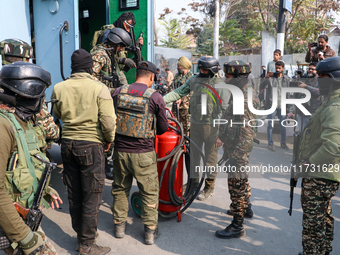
[33, 216]
[293, 180]
[135, 48]
[114, 79]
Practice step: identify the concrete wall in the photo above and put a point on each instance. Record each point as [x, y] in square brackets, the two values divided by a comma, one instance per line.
[333, 42]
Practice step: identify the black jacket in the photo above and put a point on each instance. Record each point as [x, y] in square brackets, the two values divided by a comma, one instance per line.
[269, 83]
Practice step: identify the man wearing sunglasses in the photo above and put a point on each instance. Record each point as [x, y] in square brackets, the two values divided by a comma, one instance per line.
[310, 83]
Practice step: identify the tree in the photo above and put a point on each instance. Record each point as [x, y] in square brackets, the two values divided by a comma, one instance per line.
[175, 36]
[205, 41]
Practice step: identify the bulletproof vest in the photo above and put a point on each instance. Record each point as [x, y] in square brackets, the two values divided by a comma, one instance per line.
[133, 117]
[311, 141]
[24, 170]
[213, 105]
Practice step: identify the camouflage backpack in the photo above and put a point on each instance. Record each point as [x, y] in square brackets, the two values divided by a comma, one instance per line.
[133, 117]
[100, 34]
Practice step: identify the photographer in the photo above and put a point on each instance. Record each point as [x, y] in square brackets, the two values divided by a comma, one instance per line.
[311, 83]
[321, 51]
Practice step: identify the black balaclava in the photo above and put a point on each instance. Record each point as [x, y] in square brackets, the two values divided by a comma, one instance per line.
[125, 16]
[326, 85]
[239, 81]
[206, 76]
[81, 62]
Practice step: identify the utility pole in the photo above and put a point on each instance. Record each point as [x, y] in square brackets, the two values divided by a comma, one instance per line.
[216, 28]
[281, 28]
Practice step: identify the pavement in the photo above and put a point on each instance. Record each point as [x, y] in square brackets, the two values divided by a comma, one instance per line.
[270, 232]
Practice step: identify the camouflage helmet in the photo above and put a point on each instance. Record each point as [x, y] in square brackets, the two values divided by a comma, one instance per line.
[237, 68]
[15, 48]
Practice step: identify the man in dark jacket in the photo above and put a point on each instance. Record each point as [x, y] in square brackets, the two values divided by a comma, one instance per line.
[321, 52]
[275, 80]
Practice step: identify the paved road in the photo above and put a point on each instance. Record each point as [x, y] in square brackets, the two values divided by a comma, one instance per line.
[272, 231]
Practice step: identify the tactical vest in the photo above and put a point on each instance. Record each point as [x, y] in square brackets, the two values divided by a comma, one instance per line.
[213, 105]
[133, 117]
[24, 170]
[311, 141]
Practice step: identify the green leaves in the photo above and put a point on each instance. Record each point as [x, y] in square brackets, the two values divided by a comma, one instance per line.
[175, 36]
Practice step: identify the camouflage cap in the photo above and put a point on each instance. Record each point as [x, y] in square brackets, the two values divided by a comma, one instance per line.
[15, 48]
[236, 67]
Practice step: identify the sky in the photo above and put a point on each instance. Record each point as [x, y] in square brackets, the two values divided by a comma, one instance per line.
[176, 6]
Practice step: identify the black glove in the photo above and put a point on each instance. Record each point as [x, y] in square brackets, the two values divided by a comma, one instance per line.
[32, 243]
[231, 162]
[129, 63]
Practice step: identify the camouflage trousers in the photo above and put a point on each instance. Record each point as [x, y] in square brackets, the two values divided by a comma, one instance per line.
[48, 249]
[240, 192]
[318, 221]
[184, 119]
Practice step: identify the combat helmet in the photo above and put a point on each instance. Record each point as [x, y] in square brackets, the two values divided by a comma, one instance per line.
[25, 79]
[237, 67]
[330, 66]
[15, 48]
[209, 63]
[119, 36]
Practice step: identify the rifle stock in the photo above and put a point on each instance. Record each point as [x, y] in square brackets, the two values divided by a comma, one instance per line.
[293, 179]
[33, 216]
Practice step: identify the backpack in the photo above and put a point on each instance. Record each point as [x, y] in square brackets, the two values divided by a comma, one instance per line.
[100, 35]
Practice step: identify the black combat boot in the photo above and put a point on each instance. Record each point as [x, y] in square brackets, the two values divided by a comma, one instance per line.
[234, 230]
[248, 214]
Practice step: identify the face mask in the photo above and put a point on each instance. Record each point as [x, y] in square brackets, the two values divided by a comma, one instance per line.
[27, 107]
[325, 84]
[208, 75]
[239, 82]
[180, 70]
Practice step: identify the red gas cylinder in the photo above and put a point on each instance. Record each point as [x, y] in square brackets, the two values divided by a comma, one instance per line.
[164, 144]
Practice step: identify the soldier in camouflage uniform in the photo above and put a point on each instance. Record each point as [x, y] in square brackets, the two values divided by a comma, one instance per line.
[319, 157]
[184, 73]
[13, 50]
[238, 143]
[106, 60]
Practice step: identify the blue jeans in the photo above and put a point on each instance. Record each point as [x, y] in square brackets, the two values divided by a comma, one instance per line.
[305, 121]
[270, 127]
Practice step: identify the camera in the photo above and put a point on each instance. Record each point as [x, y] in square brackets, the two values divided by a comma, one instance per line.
[315, 44]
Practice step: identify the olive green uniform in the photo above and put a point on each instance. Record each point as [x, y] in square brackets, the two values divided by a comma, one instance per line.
[201, 130]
